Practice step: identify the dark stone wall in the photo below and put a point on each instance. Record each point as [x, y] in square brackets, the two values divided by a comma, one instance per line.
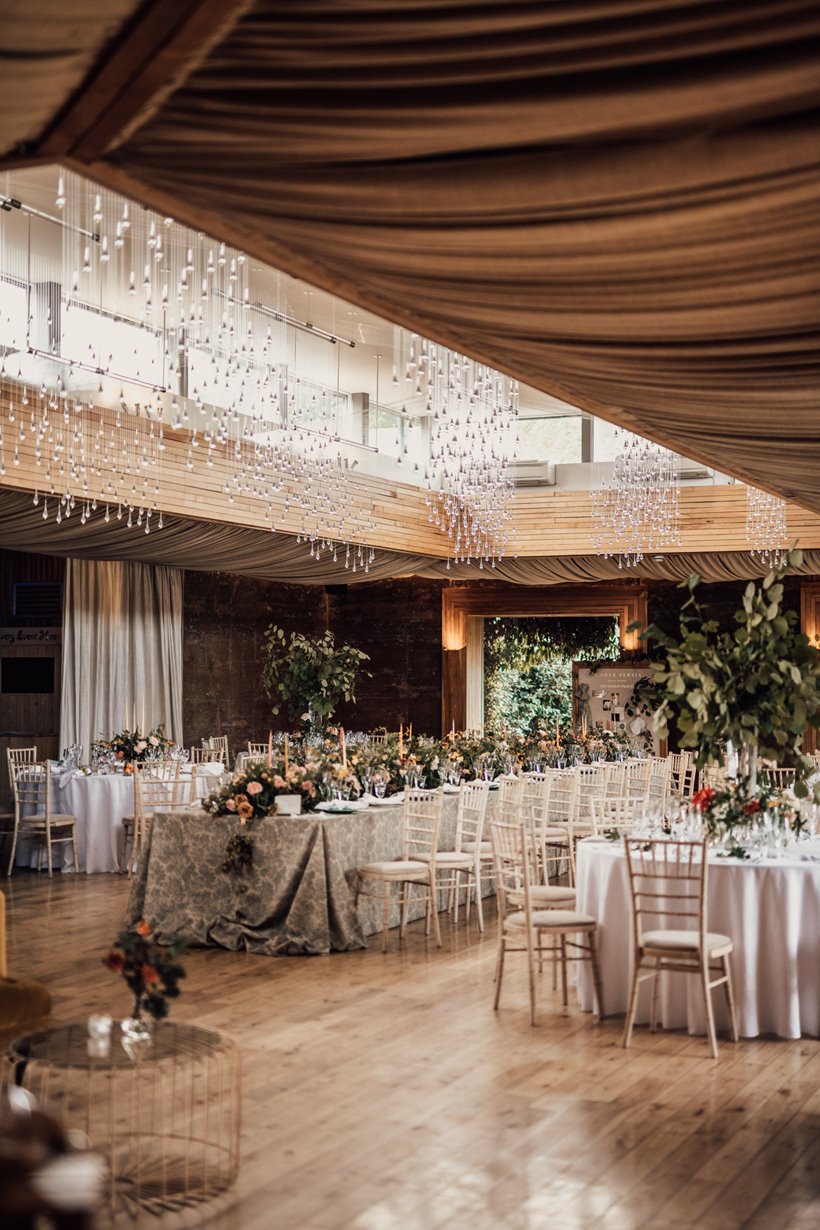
[397, 622]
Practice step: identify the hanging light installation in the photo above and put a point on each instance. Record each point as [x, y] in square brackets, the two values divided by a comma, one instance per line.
[128, 336]
[635, 507]
[470, 412]
[766, 529]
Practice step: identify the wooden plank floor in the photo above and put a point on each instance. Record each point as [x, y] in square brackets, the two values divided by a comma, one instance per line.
[384, 1092]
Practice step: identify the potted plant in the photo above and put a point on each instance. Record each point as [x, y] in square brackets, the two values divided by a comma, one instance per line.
[757, 684]
[309, 675]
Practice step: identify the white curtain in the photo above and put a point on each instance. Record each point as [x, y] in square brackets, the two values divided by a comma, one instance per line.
[122, 650]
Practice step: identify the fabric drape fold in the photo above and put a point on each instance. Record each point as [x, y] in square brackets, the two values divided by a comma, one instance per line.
[208, 547]
[122, 650]
[617, 203]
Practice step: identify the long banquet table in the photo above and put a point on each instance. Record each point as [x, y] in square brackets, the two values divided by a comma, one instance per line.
[98, 802]
[771, 910]
[299, 896]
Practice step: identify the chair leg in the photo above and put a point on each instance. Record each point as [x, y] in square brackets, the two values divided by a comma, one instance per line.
[633, 1002]
[479, 907]
[455, 887]
[499, 971]
[596, 974]
[13, 848]
[49, 854]
[405, 909]
[730, 998]
[564, 995]
[531, 974]
[434, 911]
[656, 983]
[707, 1004]
[74, 848]
[385, 914]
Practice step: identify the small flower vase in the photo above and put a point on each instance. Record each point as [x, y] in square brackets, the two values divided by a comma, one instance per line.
[138, 1033]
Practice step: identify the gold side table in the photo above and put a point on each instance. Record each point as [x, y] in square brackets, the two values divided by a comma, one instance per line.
[168, 1125]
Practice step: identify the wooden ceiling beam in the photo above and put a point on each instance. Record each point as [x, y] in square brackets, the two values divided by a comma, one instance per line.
[151, 56]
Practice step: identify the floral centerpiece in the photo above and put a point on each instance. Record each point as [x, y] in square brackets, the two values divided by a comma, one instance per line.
[152, 972]
[130, 745]
[252, 793]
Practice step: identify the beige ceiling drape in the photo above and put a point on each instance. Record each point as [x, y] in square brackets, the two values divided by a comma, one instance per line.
[616, 200]
[204, 546]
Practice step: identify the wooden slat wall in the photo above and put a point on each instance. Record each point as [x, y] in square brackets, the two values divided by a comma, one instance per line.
[548, 522]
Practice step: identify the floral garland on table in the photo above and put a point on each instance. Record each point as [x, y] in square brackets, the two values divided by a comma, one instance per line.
[251, 794]
[131, 745]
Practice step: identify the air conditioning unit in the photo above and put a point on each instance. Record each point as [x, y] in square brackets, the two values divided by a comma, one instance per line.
[532, 474]
[690, 473]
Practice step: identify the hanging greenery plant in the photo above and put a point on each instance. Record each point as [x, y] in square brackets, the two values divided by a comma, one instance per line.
[309, 675]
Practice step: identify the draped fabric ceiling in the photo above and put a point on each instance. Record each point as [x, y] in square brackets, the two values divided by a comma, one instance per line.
[614, 200]
[204, 546]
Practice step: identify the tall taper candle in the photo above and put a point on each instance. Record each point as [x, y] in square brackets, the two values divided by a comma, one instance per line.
[286, 754]
[270, 749]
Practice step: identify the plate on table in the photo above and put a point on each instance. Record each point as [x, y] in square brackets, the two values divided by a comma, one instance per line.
[395, 800]
[449, 789]
[338, 807]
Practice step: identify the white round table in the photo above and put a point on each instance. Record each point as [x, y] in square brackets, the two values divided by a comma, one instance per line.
[98, 802]
[771, 910]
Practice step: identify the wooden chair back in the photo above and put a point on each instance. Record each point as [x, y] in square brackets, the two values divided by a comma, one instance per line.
[511, 799]
[31, 782]
[472, 811]
[159, 787]
[667, 884]
[421, 821]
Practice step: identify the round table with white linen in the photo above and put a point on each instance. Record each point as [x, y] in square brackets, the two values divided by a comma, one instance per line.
[769, 907]
[98, 802]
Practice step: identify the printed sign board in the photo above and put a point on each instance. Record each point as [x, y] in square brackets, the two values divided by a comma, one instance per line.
[603, 694]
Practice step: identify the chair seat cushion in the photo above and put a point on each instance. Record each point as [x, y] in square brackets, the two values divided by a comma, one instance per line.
[39, 818]
[685, 941]
[486, 846]
[547, 895]
[451, 858]
[562, 920]
[398, 869]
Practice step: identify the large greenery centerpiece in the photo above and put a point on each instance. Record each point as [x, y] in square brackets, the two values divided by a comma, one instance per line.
[756, 684]
[309, 675]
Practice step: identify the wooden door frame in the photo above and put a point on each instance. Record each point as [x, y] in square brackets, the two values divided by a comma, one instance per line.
[459, 603]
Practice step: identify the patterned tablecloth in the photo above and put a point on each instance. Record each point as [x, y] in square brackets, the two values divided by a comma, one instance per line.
[297, 898]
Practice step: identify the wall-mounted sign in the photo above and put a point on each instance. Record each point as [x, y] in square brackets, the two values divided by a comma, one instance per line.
[11, 638]
[604, 694]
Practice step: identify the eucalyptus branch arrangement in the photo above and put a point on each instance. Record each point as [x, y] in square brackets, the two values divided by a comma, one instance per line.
[309, 675]
[757, 685]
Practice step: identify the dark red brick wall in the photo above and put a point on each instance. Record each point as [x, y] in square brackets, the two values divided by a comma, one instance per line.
[397, 622]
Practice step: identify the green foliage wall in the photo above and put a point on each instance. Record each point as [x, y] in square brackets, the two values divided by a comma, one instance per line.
[528, 666]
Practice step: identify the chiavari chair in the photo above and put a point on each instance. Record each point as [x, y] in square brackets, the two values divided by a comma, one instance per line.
[34, 815]
[667, 881]
[523, 926]
[421, 820]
